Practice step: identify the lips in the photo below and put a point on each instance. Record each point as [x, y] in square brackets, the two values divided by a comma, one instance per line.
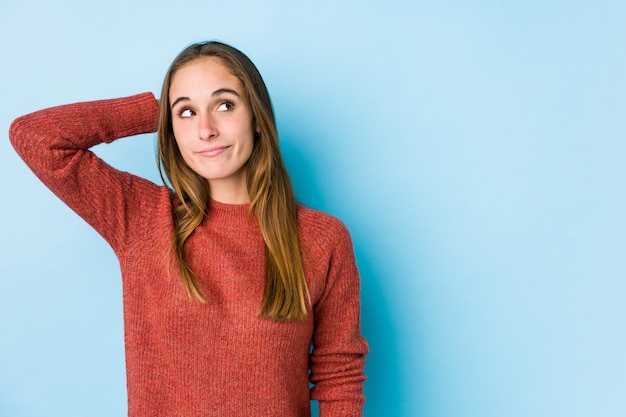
[213, 151]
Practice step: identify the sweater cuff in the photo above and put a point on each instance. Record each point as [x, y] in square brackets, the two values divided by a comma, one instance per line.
[340, 409]
[135, 114]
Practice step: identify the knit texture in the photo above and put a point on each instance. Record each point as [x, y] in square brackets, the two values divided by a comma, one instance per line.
[184, 358]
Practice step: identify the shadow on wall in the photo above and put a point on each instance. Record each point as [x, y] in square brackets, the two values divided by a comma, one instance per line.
[383, 388]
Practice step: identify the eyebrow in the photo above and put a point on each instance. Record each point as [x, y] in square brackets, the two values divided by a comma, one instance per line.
[215, 93]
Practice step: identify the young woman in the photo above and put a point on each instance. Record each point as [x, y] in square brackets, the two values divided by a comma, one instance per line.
[236, 298]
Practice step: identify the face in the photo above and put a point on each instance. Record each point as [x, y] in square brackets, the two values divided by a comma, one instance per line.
[213, 126]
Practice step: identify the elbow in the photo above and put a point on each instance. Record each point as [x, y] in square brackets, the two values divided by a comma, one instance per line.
[28, 136]
[16, 134]
[28, 140]
[18, 131]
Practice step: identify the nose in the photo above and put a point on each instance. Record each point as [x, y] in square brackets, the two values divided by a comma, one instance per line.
[207, 128]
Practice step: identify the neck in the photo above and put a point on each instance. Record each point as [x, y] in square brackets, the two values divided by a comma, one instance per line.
[227, 192]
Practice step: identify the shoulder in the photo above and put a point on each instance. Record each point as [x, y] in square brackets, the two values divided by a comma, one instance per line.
[321, 228]
[328, 254]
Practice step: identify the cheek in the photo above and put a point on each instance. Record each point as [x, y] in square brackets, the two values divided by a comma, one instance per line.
[181, 129]
[180, 138]
[249, 148]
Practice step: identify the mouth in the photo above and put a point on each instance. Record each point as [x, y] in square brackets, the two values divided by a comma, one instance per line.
[213, 151]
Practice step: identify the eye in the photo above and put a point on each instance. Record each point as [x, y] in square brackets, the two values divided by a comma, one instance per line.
[225, 106]
[185, 112]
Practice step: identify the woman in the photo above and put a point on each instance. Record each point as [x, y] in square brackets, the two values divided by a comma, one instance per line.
[235, 297]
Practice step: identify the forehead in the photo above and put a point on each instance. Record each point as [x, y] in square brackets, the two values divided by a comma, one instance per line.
[204, 73]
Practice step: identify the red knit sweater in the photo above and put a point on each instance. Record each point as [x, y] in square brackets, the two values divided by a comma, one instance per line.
[189, 359]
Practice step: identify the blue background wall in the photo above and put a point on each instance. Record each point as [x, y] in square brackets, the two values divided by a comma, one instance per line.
[476, 150]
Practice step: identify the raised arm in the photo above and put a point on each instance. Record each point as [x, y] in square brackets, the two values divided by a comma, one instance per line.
[54, 143]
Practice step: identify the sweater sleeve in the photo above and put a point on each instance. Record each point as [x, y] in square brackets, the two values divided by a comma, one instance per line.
[338, 357]
[55, 144]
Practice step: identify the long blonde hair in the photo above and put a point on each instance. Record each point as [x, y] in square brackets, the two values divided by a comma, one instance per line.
[272, 199]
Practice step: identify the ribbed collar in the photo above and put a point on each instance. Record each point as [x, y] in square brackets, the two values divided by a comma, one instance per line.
[230, 215]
